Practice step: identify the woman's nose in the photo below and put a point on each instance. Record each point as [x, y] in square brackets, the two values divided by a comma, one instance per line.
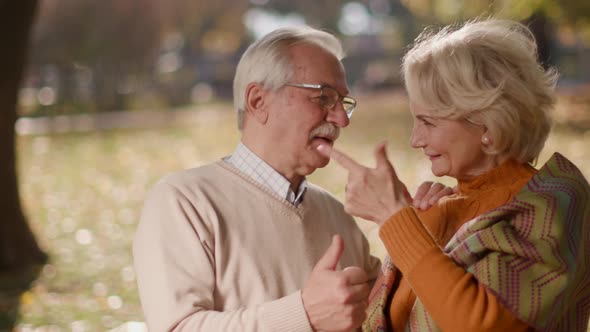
[416, 137]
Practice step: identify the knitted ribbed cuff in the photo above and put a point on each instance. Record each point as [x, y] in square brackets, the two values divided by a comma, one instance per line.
[286, 314]
[406, 239]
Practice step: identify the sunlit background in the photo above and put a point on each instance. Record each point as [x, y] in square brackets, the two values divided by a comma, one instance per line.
[119, 93]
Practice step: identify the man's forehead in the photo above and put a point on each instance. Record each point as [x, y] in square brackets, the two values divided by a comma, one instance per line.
[314, 65]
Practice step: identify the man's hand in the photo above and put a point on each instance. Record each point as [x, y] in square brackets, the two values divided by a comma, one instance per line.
[371, 193]
[429, 193]
[335, 300]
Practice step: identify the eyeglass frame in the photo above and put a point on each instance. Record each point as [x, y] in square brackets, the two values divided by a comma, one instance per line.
[341, 98]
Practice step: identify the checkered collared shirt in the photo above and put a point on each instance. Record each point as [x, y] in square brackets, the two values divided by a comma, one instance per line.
[249, 163]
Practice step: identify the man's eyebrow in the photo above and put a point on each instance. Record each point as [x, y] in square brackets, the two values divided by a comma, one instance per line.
[324, 84]
[333, 87]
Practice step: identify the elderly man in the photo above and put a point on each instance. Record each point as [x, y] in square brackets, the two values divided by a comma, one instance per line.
[246, 243]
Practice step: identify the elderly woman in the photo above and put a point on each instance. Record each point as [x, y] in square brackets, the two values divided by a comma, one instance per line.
[510, 250]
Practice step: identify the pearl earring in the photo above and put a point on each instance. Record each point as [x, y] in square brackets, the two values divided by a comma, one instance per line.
[485, 140]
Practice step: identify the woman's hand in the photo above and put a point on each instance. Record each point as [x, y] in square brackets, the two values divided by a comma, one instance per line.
[429, 193]
[371, 193]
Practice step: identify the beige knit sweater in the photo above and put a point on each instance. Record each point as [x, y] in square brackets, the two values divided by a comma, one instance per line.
[215, 251]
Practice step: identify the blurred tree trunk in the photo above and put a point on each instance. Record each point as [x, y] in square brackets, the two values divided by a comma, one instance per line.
[18, 247]
[542, 29]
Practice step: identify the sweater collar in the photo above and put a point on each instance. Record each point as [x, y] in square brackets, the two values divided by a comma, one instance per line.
[505, 174]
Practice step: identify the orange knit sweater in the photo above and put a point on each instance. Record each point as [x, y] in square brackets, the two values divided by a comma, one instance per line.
[452, 296]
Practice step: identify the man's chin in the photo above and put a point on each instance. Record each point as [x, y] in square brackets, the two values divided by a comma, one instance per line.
[323, 163]
[318, 162]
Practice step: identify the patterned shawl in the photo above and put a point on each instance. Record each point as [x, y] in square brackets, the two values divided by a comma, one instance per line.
[533, 253]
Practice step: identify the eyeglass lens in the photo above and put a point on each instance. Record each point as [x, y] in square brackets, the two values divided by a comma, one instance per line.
[330, 97]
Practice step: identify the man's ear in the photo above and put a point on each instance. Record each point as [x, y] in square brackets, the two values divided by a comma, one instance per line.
[255, 102]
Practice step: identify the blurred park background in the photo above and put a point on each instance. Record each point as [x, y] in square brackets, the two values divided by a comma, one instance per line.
[101, 98]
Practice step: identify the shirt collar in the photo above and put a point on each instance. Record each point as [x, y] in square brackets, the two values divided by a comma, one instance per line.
[249, 163]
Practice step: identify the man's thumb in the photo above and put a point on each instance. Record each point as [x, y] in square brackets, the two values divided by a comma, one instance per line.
[332, 255]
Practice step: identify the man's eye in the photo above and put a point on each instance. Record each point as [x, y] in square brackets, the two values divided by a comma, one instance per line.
[325, 100]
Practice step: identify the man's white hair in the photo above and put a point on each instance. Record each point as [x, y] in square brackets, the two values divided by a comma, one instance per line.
[267, 61]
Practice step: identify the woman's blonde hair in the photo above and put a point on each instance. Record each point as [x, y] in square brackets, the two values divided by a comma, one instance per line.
[486, 72]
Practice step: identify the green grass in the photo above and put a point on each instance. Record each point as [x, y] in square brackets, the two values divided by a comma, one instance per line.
[83, 193]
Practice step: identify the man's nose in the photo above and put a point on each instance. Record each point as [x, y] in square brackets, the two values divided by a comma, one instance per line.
[338, 115]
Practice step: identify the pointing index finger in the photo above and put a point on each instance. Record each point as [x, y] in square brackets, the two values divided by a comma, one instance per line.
[340, 157]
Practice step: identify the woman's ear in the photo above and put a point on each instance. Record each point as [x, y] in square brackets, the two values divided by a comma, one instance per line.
[486, 138]
[255, 100]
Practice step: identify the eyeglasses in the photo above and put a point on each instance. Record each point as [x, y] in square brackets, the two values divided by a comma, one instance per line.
[329, 97]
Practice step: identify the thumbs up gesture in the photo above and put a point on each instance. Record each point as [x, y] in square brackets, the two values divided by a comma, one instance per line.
[371, 193]
[335, 300]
